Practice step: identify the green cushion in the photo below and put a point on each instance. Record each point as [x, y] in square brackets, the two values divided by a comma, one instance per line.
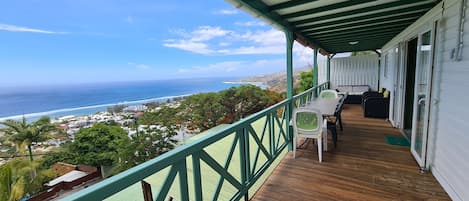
[306, 121]
[386, 94]
[327, 95]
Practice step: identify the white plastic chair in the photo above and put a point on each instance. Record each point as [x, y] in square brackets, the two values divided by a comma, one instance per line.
[329, 94]
[308, 123]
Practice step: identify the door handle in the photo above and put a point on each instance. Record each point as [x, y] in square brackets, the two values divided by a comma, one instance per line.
[421, 100]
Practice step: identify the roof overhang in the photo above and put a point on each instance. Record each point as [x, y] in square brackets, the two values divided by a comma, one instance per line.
[337, 26]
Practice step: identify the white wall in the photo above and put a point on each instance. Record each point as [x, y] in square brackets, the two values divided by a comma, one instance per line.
[448, 151]
[451, 156]
[357, 70]
[322, 73]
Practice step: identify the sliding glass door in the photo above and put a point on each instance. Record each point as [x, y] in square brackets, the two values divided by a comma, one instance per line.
[422, 97]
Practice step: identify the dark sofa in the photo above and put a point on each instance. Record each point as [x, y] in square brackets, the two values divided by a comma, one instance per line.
[375, 105]
[355, 92]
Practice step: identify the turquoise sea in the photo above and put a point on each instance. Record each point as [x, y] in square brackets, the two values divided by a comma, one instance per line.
[81, 99]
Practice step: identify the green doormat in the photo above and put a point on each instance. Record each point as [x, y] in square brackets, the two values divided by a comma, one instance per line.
[397, 140]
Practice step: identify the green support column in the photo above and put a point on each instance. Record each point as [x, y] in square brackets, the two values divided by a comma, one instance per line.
[315, 71]
[328, 72]
[290, 38]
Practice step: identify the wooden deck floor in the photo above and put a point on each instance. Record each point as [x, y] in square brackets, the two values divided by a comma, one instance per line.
[362, 167]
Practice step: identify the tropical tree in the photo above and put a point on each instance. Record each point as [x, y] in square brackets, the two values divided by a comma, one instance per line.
[204, 110]
[16, 182]
[147, 144]
[306, 81]
[116, 108]
[95, 146]
[99, 144]
[245, 100]
[24, 133]
[165, 116]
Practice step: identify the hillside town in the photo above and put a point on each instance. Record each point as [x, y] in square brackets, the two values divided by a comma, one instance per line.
[69, 125]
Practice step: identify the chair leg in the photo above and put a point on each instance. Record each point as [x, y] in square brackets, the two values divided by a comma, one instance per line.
[320, 149]
[334, 135]
[339, 119]
[324, 139]
[294, 146]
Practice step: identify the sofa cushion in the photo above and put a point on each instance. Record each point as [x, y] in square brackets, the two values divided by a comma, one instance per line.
[386, 94]
[345, 88]
[360, 88]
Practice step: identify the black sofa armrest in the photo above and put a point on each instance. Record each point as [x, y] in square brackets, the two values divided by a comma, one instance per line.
[376, 107]
[370, 94]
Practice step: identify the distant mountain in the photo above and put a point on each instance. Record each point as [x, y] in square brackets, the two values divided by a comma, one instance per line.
[277, 81]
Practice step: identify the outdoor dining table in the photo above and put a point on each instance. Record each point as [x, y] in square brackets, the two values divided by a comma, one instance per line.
[327, 107]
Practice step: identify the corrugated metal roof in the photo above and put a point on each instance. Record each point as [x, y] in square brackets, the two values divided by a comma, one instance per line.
[334, 25]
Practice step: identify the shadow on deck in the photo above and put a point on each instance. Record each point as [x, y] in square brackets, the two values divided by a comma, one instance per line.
[362, 167]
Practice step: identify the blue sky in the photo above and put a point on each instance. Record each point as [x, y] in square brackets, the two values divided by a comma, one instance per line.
[70, 41]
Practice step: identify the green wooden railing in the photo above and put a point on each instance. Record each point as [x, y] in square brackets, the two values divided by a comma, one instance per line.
[229, 164]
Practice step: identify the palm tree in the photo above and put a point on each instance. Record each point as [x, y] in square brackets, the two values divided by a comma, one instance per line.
[24, 133]
[13, 179]
[16, 182]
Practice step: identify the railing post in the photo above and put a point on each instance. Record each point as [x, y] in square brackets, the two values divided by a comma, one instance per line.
[183, 185]
[315, 71]
[328, 71]
[197, 176]
[289, 107]
[244, 158]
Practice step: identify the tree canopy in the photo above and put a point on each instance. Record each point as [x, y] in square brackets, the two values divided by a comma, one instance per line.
[145, 145]
[306, 80]
[16, 179]
[165, 116]
[94, 146]
[204, 110]
[23, 133]
[207, 110]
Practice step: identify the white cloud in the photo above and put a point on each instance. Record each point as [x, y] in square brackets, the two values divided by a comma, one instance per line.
[195, 41]
[205, 33]
[226, 12]
[264, 37]
[139, 66]
[246, 50]
[208, 40]
[224, 44]
[302, 57]
[188, 45]
[216, 40]
[14, 28]
[250, 24]
[225, 67]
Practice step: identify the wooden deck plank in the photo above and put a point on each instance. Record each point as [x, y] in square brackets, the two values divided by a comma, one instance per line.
[362, 167]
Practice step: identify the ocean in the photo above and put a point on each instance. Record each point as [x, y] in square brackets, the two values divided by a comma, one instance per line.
[82, 99]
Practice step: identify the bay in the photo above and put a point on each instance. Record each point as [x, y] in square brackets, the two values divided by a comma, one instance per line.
[81, 99]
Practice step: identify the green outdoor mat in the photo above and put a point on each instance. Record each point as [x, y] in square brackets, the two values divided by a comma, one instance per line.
[397, 140]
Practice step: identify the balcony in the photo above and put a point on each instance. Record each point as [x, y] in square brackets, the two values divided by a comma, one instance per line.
[362, 167]
[249, 160]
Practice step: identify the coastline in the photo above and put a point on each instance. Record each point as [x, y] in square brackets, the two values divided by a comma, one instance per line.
[93, 109]
[96, 108]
